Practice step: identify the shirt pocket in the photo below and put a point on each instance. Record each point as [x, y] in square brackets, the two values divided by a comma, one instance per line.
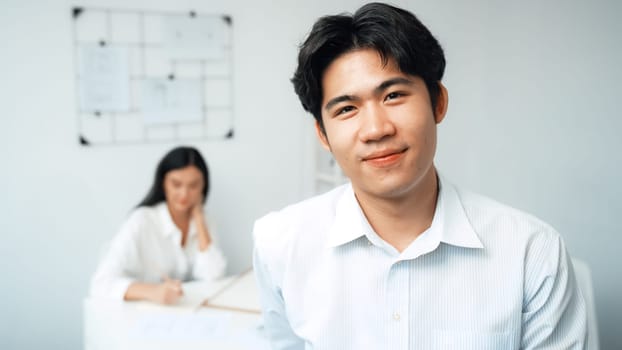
[468, 340]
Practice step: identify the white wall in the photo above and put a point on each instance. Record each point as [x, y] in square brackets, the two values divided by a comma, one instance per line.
[532, 122]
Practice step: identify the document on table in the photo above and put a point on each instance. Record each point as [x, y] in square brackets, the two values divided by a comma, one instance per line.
[187, 326]
[233, 293]
[195, 293]
[240, 294]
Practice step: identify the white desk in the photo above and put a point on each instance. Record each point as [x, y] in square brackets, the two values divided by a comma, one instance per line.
[110, 325]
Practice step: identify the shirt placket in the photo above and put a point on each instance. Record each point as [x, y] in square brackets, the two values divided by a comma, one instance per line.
[397, 314]
[181, 262]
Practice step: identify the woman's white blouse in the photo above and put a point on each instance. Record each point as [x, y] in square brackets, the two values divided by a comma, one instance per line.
[148, 248]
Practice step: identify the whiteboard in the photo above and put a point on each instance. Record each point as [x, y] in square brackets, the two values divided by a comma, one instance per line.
[147, 76]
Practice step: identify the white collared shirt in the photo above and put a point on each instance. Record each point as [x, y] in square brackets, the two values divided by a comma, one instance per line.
[482, 276]
[147, 248]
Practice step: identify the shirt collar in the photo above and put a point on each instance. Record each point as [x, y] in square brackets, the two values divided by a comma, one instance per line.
[169, 229]
[456, 228]
[349, 223]
[450, 223]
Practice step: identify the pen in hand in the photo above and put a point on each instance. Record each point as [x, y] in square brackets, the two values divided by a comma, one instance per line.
[169, 291]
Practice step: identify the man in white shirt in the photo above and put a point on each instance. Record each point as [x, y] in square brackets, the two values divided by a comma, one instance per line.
[399, 258]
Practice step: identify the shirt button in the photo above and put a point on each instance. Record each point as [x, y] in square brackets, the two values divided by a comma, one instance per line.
[396, 316]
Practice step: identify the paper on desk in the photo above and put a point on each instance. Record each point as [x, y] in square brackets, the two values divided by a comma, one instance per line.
[240, 294]
[253, 338]
[187, 326]
[195, 294]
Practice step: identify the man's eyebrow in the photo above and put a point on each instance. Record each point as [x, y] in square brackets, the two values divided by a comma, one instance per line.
[388, 83]
[339, 99]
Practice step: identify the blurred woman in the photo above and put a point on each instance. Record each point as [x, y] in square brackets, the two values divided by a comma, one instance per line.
[166, 239]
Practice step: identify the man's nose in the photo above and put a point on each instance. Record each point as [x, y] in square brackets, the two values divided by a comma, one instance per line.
[375, 124]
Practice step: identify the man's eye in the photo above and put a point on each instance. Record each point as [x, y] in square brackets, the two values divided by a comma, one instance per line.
[345, 110]
[393, 95]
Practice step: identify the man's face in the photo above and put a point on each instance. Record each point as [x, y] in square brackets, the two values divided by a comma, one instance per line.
[379, 123]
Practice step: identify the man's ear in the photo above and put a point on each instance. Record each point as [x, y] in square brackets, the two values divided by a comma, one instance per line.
[322, 136]
[441, 103]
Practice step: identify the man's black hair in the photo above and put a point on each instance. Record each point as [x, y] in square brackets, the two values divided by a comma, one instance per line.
[393, 32]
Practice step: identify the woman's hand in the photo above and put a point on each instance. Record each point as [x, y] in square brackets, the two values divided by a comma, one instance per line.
[199, 220]
[167, 292]
[197, 211]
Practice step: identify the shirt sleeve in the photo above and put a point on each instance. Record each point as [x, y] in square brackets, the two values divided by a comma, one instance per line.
[119, 263]
[554, 311]
[209, 264]
[275, 321]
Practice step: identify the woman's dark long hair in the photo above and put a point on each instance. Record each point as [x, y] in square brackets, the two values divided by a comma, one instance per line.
[177, 158]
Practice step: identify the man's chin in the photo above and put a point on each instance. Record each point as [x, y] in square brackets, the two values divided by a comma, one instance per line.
[387, 189]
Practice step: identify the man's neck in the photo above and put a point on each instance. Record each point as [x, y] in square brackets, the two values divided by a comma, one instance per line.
[400, 220]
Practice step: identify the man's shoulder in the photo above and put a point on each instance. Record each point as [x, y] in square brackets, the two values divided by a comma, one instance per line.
[487, 214]
[292, 221]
